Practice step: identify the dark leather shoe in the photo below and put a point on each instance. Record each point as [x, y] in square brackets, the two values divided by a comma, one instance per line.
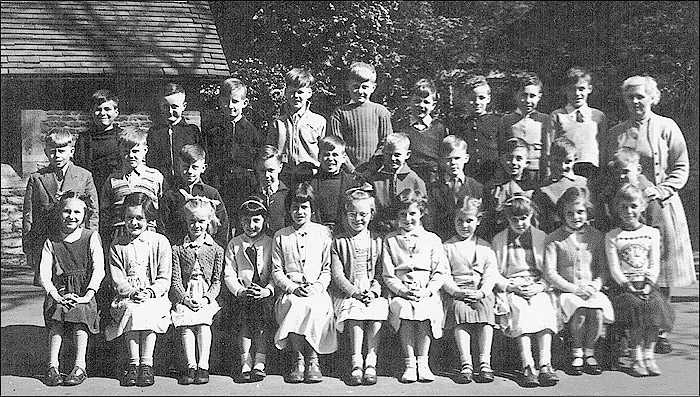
[256, 375]
[486, 374]
[547, 376]
[201, 377]
[146, 377]
[528, 378]
[313, 373]
[187, 377]
[663, 346]
[355, 378]
[130, 376]
[591, 367]
[297, 373]
[369, 377]
[76, 377]
[53, 377]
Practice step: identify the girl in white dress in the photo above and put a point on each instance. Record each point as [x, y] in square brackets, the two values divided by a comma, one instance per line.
[140, 265]
[301, 258]
[359, 305]
[414, 269]
[196, 282]
[575, 266]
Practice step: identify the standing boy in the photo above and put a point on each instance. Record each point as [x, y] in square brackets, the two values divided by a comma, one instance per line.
[232, 147]
[191, 165]
[528, 124]
[167, 138]
[394, 176]
[96, 149]
[134, 176]
[44, 190]
[331, 183]
[477, 126]
[271, 188]
[361, 123]
[297, 132]
[424, 130]
[585, 126]
[447, 193]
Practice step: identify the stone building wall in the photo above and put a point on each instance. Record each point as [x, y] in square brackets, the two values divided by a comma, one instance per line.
[35, 125]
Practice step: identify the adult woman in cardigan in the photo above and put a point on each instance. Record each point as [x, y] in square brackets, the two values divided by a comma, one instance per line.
[664, 161]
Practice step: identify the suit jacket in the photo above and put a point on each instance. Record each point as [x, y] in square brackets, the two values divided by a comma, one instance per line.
[160, 148]
[41, 197]
[442, 203]
[211, 259]
[343, 265]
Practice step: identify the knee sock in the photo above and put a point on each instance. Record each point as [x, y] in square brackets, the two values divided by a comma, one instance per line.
[55, 341]
[246, 362]
[81, 341]
[188, 345]
[148, 345]
[132, 343]
[371, 359]
[356, 360]
[204, 345]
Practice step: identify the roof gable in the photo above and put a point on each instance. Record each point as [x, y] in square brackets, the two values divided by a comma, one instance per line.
[156, 38]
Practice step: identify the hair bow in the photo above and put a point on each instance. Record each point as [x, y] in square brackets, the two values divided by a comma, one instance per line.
[521, 195]
[189, 197]
[366, 187]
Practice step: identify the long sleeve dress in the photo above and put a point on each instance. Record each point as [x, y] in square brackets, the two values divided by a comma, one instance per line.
[356, 266]
[664, 159]
[144, 262]
[415, 260]
[473, 266]
[197, 269]
[302, 257]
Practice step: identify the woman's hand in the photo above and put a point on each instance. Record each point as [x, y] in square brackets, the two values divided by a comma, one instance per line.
[193, 304]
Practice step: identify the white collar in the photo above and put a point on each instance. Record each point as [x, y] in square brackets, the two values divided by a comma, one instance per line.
[584, 109]
[74, 235]
[426, 121]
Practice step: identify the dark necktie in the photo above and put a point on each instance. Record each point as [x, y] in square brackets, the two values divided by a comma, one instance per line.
[579, 117]
[253, 256]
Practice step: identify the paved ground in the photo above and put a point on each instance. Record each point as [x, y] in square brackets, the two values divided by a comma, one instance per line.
[23, 350]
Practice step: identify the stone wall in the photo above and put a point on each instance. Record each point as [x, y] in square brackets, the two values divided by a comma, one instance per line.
[35, 125]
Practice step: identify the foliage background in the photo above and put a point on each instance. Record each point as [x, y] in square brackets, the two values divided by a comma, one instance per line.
[446, 40]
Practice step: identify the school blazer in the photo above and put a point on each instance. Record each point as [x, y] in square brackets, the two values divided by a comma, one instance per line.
[500, 246]
[343, 252]
[40, 198]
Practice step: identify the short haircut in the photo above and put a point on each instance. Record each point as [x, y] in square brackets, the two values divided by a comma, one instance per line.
[330, 142]
[192, 153]
[514, 143]
[474, 82]
[397, 140]
[574, 74]
[59, 138]
[562, 147]
[470, 204]
[573, 195]
[300, 78]
[624, 156]
[424, 88]
[403, 201]
[649, 83]
[170, 89]
[518, 205]
[450, 143]
[102, 96]
[629, 192]
[302, 193]
[204, 204]
[267, 152]
[252, 206]
[231, 85]
[360, 71]
[132, 136]
[358, 194]
[143, 200]
[527, 79]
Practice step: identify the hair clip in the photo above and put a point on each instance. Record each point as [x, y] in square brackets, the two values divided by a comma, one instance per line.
[366, 188]
[252, 201]
[189, 197]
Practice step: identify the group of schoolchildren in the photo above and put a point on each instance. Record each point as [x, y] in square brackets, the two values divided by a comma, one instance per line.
[317, 228]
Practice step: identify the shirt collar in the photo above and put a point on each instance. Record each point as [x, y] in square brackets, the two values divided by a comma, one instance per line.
[299, 113]
[275, 187]
[63, 171]
[520, 112]
[449, 178]
[205, 240]
[584, 109]
[190, 188]
[237, 119]
[416, 232]
[405, 169]
[74, 235]
[425, 121]
[139, 170]
[572, 231]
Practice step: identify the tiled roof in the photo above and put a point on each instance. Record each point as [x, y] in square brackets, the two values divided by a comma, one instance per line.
[154, 38]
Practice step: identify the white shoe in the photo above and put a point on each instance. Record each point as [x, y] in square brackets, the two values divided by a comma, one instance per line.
[424, 372]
